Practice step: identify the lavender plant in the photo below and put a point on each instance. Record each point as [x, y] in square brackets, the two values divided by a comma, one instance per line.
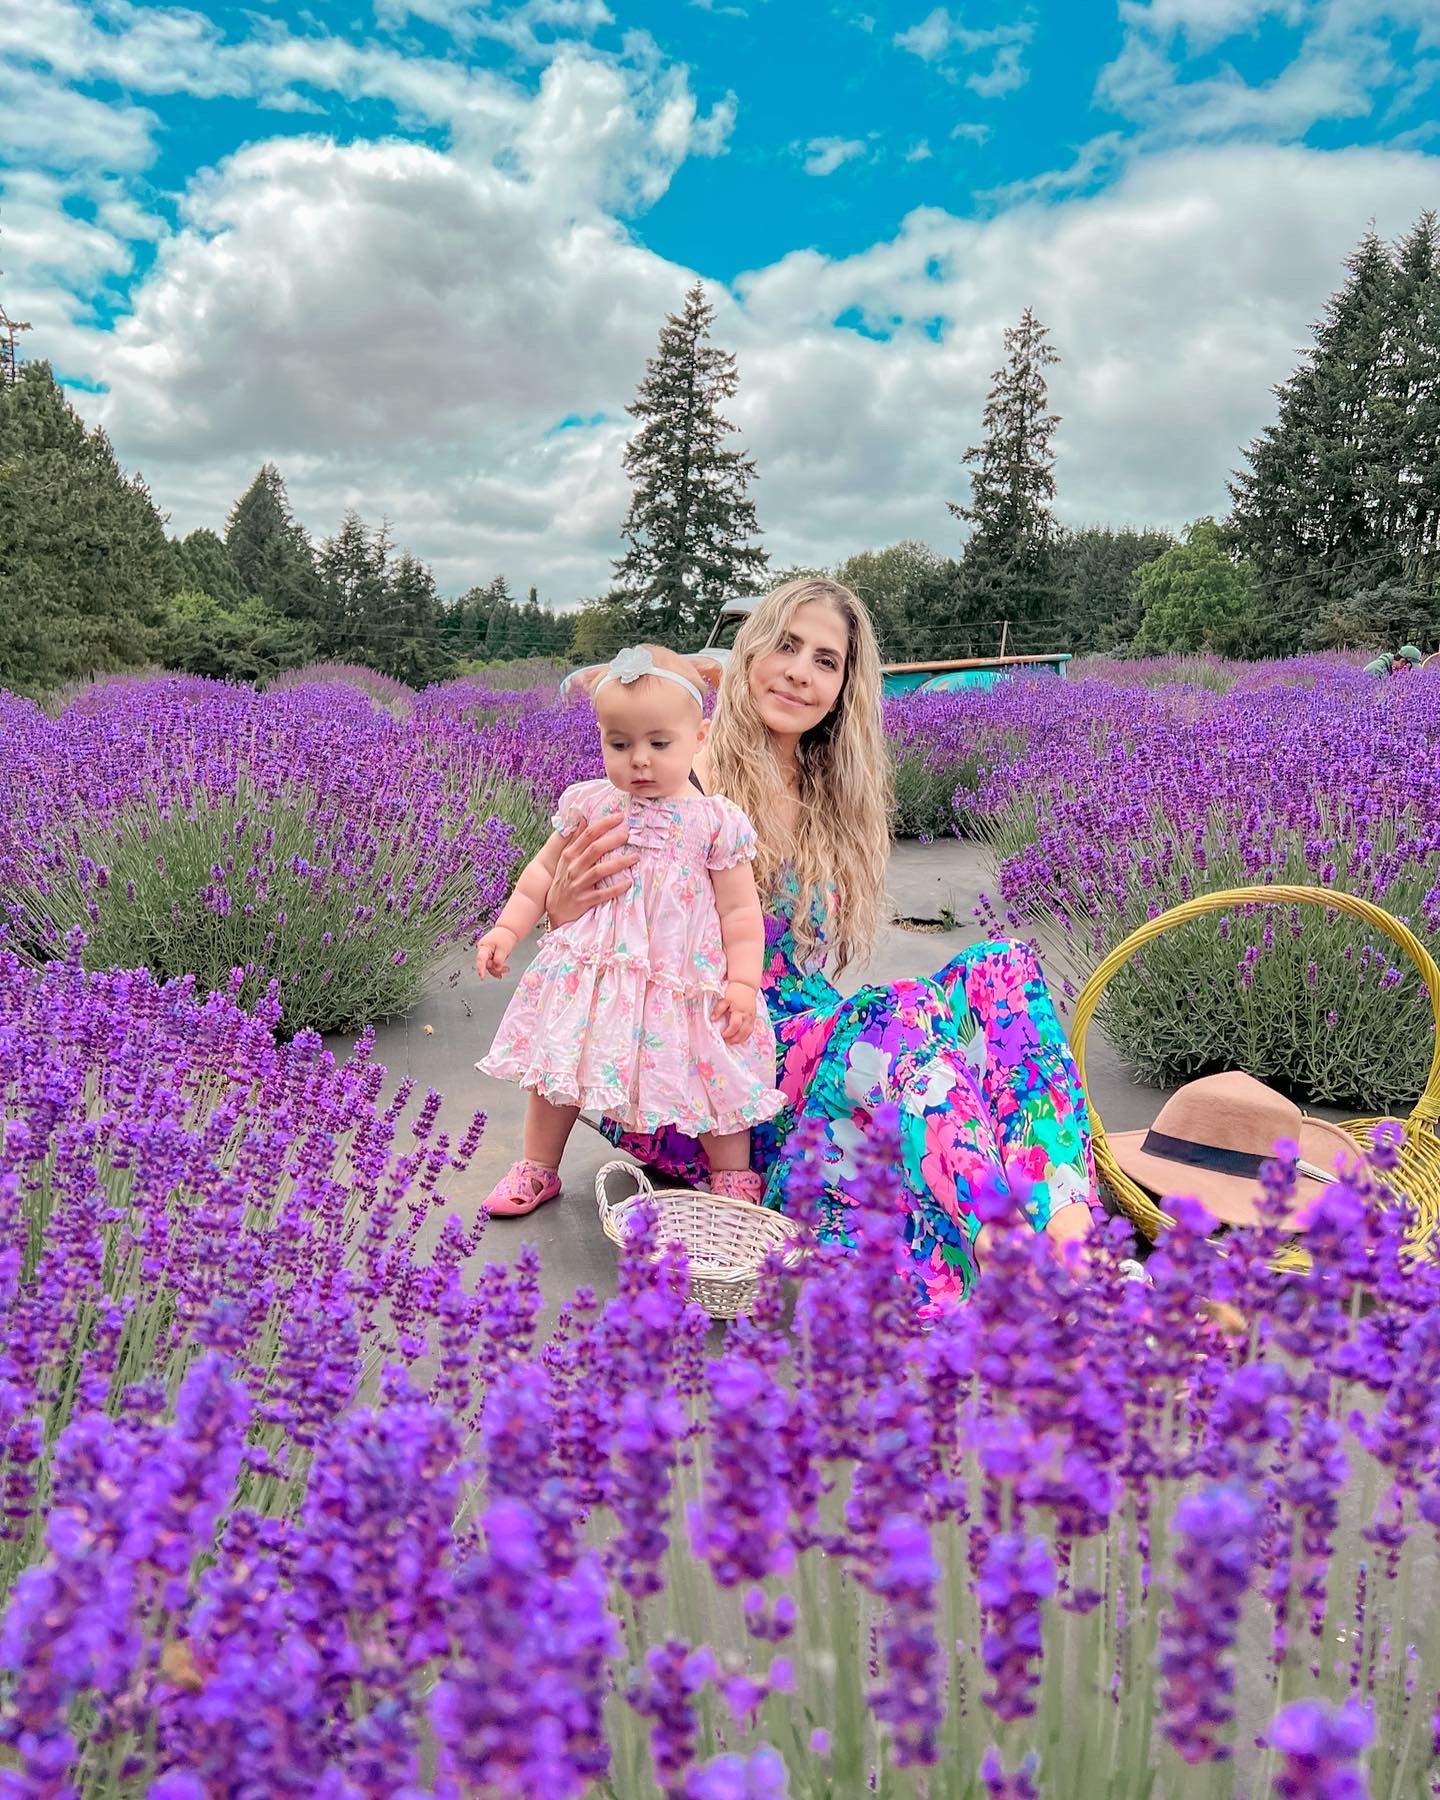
[289, 1512]
[1106, 804]
[304, 837]
[934, 769]
[394, 696]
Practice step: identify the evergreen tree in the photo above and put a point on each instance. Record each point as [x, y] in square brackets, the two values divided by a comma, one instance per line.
[269, 550]
[463, 624]
[412, 650]
[1095, 569]
[85, 566]
[1376, 618]
[1315, 512]
[1412, 395]
[1008, 567]
[353, 570]
[531, 627]
[497, 627]
[691, 523]
[203, 566]
[245, 641]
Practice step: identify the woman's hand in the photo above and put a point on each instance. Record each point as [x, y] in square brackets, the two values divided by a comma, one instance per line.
[588, 870]
[737, 1008]
[1069, 1224]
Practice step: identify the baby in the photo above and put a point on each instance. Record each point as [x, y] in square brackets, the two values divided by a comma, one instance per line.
[646, 1008]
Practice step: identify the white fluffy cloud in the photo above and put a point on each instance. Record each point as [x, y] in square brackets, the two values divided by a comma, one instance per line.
[1347, 53]
[446, 335]
[824, 155]
[941, 39]
[1175, 298]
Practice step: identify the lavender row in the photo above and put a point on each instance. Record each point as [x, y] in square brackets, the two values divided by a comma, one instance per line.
[291, 1508]
[1110, 801]
[312, 836]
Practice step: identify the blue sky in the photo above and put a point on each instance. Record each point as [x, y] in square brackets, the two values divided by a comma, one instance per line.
[417, 251]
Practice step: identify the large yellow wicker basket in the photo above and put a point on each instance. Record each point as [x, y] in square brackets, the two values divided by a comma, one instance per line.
[1418, 1174]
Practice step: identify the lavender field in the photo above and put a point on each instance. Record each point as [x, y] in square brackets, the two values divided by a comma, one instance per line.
[1137, 786]
[295, 1499]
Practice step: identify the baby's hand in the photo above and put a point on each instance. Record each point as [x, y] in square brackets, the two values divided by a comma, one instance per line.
[492, 953]
[738, 1007]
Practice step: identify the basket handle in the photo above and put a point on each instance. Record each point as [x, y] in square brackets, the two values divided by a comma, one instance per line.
[1427, 1107]
[607, 1211]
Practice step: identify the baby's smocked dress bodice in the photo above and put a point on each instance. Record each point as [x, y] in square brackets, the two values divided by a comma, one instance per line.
[667, 921]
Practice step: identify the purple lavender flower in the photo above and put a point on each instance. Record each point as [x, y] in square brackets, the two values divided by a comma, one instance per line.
[1320, 1747]
[908, 1696]
[758, 1776]
[1016, 1579]
[519, 1709]
[1018, 1785]
[665, 1693]
[1216, 1533]
[739, 1526]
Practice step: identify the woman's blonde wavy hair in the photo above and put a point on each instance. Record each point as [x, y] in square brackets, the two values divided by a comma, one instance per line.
[842, 839]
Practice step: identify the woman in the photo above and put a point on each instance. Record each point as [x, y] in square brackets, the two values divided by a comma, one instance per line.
[973, 1057]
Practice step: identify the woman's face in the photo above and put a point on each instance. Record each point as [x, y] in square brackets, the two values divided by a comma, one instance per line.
[798, 683]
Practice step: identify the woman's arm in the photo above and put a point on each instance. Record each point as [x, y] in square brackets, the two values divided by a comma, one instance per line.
[593, 866]
[1068, 1224]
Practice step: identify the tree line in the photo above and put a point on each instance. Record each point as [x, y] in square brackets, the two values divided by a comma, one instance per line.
[1333, 536]
[89, 580]
[1332, 539]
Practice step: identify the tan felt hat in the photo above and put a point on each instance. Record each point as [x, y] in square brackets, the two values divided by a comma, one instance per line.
[1211, 1137]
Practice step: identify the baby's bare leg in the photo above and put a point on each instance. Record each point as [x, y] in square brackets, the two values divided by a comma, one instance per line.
[547, 1131]
[730, 1173]
[732, 1151]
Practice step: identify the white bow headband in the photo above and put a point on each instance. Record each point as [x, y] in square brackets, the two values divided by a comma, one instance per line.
[631, 664]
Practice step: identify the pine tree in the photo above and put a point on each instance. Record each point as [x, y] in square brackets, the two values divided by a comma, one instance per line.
[203, 566]
[413, 651]
[1314, 511]
[1413, 397]
[497, 627]
[691, 520]
[463, 624]
[1095, 570]
[1008, 566]
[353, 570]
[269, 550]
[85, 566]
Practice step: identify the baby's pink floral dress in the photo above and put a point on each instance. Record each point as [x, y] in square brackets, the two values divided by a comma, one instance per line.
[617, 1011]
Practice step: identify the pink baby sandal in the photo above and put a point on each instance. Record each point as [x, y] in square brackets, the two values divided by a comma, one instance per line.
[523, 1187]
[738, 1184]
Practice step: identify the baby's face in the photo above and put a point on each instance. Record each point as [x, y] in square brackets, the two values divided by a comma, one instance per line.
[649, 734]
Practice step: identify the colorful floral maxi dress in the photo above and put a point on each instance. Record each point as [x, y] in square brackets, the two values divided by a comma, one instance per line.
[976, 1063]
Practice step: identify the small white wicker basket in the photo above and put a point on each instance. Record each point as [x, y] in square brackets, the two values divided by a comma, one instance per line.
[726, 1240]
